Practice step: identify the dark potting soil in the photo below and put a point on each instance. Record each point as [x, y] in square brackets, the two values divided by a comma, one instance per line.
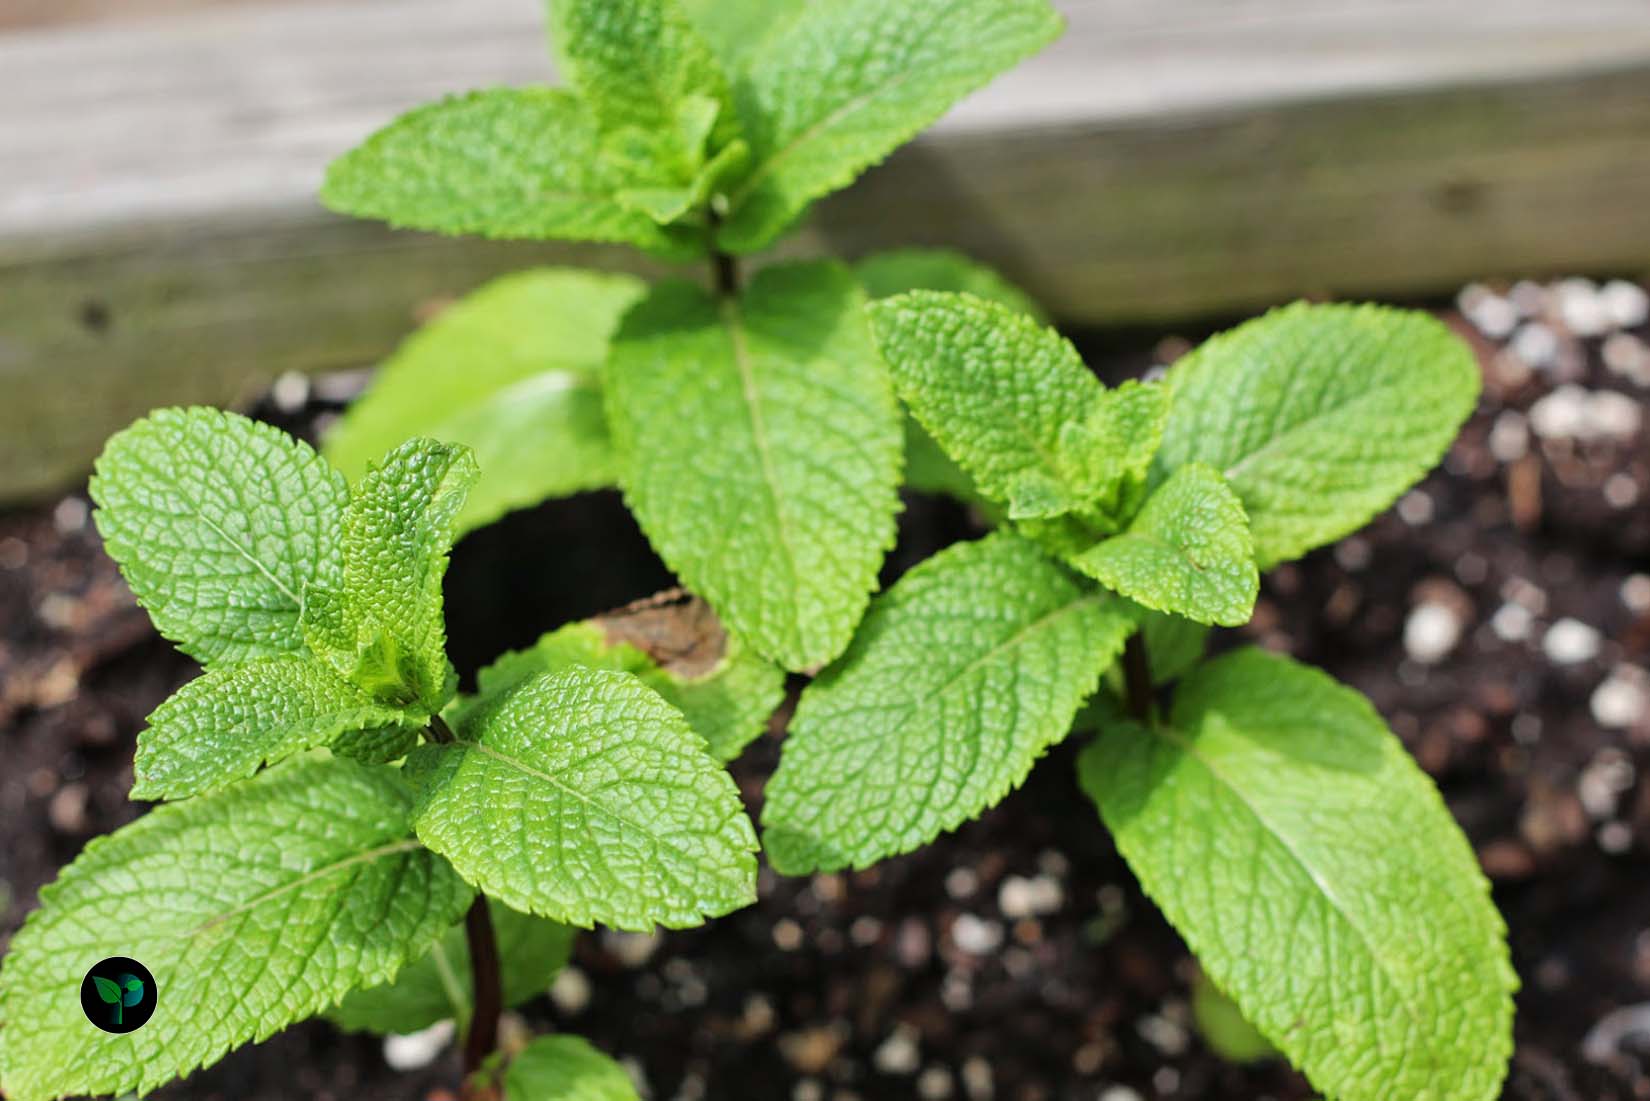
[1014, 959]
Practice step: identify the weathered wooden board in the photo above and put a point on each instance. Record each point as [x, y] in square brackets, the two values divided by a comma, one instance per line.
[46, 13]
[159, 241]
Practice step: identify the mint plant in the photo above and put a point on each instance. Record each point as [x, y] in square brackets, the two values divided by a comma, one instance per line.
[341, 832]
[754, 430]
[750, 424]
[1307, 861]
[344, 834]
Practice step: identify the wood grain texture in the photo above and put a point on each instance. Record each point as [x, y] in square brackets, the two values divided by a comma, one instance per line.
[160, 243]
[46, 13]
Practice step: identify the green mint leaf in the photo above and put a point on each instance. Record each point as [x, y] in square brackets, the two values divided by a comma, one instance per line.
[107, 989]
[928, 469]
[1319, 416]
[841, 85]
[255, 907]
[1319, 878]
[514, 372]
[566, 1068]
[737, 29]
[1119, 440]
[378, 745]
[896, 271]
[719, 171]
[1110, 453]
[642, 64]
[961, 676]
[668, 205]
[695, 115]
[1187, 552]
[219, 524]
[1008, 398]
[383, 629]
[663, 204]
[584, 797]
[513, 163]
[759, 448]
[729, 704]
[1173, 643]
[439, 985]
[725, 692]
[1223, 1026]
[677, 167]
[227, 723]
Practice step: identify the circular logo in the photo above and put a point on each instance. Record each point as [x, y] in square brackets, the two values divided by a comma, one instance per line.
[118, 994]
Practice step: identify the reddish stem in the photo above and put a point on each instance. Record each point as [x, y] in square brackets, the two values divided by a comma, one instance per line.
[1137, 676]
[489, 994]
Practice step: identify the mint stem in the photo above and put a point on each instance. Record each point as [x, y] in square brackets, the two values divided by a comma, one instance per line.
[724, 267]
[489, 992]
[1137, 676]
[439, 731]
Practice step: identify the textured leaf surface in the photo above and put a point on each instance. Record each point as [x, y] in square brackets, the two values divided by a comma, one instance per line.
[1319, 416]
[928, 469]
[737, 29]
[566, 1068]
[841, 85]
[225, 724]
[514, 372]
[1224, 1028]
[1174, 644]
[219, 523]
[760, 450]
[1318, 876]
[584, 797]
[727, 706]
[961, 676]
[1012, 402]
[520, 163]
[439, 985]
[377, 745]
[254, 907]
[896, 271]
[383, 628]
[1120, 440]
[639, 63]
[1188, 552]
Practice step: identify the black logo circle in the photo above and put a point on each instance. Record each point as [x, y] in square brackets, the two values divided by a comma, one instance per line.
[118, 994]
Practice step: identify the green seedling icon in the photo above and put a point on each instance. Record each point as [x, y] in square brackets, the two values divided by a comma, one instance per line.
[127, 990]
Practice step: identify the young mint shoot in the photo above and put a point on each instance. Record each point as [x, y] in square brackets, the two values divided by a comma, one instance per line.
[751, 427]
